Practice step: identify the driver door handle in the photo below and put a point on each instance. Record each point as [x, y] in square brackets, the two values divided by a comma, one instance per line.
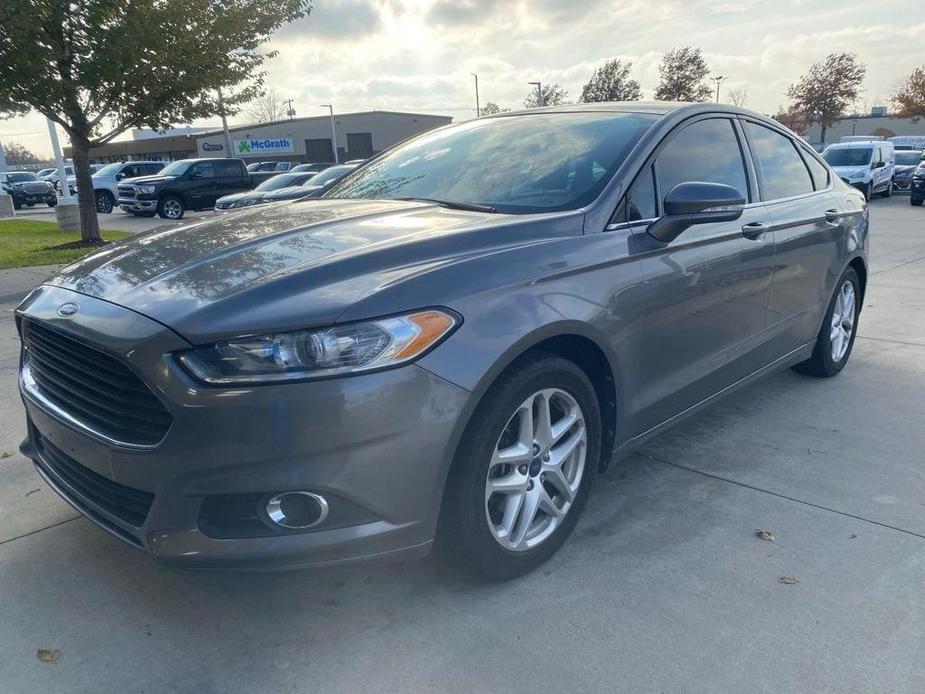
[755, 229]
[832, 216]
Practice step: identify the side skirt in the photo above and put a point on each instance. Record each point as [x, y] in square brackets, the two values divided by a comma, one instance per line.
[786, 361]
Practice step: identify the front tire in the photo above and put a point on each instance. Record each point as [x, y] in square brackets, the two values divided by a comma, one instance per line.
[839, 329]
[888, 193]
[171, 207]
[104, 202]
[916, 202]
[522, 472]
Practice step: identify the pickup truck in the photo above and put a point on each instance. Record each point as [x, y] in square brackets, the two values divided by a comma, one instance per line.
[106, 180]
[189, 184]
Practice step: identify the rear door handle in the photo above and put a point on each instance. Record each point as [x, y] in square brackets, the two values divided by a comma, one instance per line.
[755, 229]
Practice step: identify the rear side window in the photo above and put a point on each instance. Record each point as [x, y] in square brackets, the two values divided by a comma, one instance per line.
[706, 151]
[783, 173]
[228, 168]
[817, 170]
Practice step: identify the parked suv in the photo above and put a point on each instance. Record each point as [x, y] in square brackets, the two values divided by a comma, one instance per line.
[190, 184]
[444, 347]
[906, 163]
[866, 165]
[106, 180]
[917, 189]
[27, 189]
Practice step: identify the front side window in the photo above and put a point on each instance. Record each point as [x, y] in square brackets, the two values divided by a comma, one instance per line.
[705, 151]
[178, 168]
[204, 170]
[783, 173]
[530, 163]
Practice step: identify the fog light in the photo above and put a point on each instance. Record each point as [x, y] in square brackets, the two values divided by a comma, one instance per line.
[298, 510]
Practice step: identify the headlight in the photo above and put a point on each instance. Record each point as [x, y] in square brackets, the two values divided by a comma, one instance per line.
[340, 349]
[146, 190]
[860, 173]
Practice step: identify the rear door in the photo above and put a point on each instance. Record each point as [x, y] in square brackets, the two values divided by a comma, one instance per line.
[706, 293]
[796, 188]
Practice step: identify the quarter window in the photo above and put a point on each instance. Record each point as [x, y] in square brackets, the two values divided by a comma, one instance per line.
[819, 172]
[783, 173]
[706, 151]
[640, 200]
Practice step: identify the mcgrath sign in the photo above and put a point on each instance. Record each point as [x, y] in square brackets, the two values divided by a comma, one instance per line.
[263, 145]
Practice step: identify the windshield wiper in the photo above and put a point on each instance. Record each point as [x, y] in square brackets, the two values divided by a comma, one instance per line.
[471, 207]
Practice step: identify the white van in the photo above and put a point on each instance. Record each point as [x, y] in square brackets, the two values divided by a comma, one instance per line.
[867, 165]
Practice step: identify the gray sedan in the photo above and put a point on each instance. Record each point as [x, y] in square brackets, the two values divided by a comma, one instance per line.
[447, 345]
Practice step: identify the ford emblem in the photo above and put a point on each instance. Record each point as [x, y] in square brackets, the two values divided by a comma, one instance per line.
[68, 309]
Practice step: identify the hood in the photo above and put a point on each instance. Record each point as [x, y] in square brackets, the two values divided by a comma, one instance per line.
[149, 180]
[290, 266]
[845, 170]
[905, 168]
[289, 193]
[234, 197]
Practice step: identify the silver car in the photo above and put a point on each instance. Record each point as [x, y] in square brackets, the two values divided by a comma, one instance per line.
[447, 345]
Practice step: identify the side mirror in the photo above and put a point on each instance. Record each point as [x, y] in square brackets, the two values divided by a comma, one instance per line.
[196, 174]
[120, 176]
[693, 203]
[878, 165]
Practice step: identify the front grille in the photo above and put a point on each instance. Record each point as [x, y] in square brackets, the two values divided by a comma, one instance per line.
[126, 191]
[36, 188]
[96, 389]
[127, 504]
[222, 205]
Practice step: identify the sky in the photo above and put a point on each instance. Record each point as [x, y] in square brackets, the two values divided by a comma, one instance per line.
[418, 55]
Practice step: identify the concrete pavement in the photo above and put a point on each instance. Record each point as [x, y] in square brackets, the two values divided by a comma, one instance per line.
[663, 587]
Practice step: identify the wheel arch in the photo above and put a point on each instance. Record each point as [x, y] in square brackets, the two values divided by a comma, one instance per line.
[860, 267]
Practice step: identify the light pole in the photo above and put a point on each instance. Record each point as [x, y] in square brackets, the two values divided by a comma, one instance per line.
[478, 110]
[539, 92]
[221, 104]
[59, 163]
[2, 159]
[333, 132]
[719, 79]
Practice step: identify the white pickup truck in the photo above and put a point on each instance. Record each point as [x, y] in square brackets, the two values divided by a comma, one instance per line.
[107, 179]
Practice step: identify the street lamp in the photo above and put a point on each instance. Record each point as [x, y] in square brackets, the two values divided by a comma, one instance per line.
[539, 92]
[333, 132]
[478, 110]
[719, 79]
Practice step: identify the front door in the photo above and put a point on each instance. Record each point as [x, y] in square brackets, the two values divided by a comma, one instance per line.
[201, 192]
[707, 291]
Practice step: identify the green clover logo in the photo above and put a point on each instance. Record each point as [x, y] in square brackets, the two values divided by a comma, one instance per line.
[244, 146]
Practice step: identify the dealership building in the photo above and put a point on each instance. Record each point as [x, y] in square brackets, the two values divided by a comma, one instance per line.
[358, 136]
[878, 123]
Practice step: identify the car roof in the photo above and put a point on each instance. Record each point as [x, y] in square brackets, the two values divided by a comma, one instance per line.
[866, 144]
[658, 108]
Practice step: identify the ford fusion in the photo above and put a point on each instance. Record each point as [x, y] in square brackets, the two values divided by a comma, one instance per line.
[445, 347]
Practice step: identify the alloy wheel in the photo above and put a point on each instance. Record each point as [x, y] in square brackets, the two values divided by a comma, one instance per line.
[536, 469]
[172, 209]
[842, 321]
[103, 204]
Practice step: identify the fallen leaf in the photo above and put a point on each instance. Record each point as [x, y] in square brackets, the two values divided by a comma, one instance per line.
[788, 580]
[764, 535]
[48, 655]
[5, 454]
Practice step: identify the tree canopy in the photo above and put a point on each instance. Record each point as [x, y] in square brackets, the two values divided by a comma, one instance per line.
[491, 108]
[99, 67]
[611, 82]
[682, 73]
[827, 90]
[553, 94]
[909, 98]
[16, 153]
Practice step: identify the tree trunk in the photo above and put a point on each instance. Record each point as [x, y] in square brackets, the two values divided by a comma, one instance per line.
[86, 198]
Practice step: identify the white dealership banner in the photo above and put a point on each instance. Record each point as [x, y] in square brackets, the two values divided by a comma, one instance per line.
[263, 145]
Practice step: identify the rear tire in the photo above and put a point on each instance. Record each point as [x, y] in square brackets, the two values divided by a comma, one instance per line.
[503, 519]
[839, 329]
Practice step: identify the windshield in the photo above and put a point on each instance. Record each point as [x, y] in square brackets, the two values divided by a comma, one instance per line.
[253, 167]
[909, 158]
[282, 181]
[517, 164]
[21, 177]
[178, 168]
[848, 156]
[330, 174]
[108, 170]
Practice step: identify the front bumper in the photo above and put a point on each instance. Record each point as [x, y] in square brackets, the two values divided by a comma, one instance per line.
[380, 441]
[135, 205]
